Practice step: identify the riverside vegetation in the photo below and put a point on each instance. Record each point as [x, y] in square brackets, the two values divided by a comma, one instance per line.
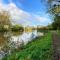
[39, 49]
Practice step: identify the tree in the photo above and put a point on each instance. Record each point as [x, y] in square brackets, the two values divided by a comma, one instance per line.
[56, 22]
[54, 7]
[55, 11]
[4, 20]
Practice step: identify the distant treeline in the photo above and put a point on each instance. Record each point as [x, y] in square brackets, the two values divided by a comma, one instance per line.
[42, 29]
[11, 28]
[17, 28]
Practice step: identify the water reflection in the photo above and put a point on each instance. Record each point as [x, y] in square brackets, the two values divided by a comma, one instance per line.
[13, 40]
[23, 38]
[3, 44]
[3, 40]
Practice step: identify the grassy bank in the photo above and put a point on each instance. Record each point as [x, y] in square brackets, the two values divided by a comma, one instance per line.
[39, 49]
[59, 32]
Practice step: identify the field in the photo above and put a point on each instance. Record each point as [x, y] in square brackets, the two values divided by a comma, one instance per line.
[39, 49]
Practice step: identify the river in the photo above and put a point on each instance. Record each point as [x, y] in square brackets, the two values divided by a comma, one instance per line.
[14, 40]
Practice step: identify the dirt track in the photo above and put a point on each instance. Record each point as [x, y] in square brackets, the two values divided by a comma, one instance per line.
[56, 46]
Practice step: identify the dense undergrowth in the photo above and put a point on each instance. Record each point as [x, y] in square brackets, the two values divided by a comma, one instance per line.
[38, 49]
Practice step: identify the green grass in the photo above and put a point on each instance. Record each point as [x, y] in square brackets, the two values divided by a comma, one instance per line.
[39, 49]
[59, 32]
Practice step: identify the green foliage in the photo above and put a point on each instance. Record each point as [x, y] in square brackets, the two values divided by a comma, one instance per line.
[58, 32]
[43, 29]
[56, 23]
[39, 49]
[55, 11]
[4, 20]
[17, 28]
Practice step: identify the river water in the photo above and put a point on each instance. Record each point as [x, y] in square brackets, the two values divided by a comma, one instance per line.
[14, 40]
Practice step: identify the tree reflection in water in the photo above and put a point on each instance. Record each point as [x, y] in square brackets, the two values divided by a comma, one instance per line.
[9, 41]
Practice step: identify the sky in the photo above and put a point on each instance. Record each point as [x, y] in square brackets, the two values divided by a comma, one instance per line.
[27, 12]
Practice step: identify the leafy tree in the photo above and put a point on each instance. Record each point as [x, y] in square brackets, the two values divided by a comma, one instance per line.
[55, 11]
[56, 22]
[4, 20]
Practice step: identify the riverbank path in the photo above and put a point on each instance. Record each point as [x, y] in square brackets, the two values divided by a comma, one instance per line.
[56, 46]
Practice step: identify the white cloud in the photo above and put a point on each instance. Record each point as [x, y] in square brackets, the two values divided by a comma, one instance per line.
[22, 17]
[19, 15]
[40, 19]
